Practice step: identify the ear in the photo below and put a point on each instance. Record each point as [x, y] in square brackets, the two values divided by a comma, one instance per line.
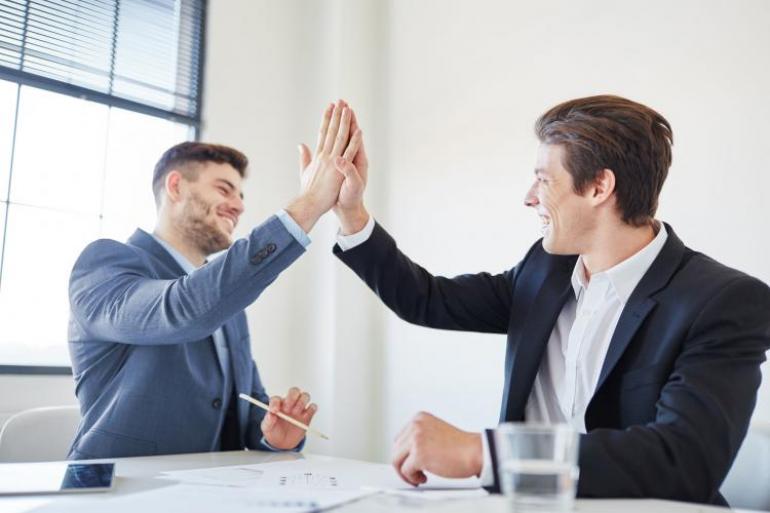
[173, 185]
[603, 187]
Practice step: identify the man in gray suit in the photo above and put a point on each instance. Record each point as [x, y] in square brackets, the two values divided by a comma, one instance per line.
[158, 338]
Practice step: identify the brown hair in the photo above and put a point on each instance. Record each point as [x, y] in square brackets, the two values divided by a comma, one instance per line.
[610, 132]
[186, 153]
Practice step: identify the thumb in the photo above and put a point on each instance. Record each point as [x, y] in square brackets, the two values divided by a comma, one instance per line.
[268, 422]
[304, 157]
[348, 170]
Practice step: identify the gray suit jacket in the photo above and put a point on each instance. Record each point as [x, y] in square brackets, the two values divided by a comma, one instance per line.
[146, 370]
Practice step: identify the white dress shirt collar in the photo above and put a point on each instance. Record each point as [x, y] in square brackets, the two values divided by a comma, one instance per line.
[625, 276]
[185, 264]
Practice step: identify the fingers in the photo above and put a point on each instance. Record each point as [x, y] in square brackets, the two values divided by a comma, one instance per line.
[347, 169]
[304, 157]
[307, 415]
[299, 407]
[411, 470]
[353, 145]
[400, 453]
[269, 421]
[406, 460]
[343, 133]
[324, 127]
[291, 400]
[360, 160]
[275, 404]
[334, 126]
[353, 121]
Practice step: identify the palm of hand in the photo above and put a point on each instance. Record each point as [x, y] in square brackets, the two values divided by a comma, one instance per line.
[284, 435]
[351, 193]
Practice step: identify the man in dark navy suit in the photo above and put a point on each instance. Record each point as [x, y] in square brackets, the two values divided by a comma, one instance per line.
[651, 350]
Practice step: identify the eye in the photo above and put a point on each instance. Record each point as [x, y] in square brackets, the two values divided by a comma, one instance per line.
[222, 191]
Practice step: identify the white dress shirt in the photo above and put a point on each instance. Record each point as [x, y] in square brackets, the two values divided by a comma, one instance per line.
[578, 344]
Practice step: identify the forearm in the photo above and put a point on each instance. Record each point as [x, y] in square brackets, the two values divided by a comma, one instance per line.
[121, 302]
[479, 302]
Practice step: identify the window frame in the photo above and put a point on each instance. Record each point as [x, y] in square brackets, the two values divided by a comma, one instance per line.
[22, 78]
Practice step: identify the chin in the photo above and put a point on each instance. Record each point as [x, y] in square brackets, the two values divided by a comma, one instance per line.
[552, 247]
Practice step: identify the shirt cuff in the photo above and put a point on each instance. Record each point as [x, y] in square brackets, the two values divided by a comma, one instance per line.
[347, 242]
[269, 447]
[293, 228]
[487, 477]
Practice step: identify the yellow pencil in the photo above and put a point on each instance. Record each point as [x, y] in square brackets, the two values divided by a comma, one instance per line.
[282, 416]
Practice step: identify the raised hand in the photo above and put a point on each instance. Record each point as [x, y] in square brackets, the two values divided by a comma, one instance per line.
[281, 434]
[354, 166]
[320, 182]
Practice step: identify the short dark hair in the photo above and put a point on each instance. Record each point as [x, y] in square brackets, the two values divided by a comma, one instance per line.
[183, 154]
[610, 132]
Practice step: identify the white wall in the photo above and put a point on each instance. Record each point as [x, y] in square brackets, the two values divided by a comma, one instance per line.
[447, 92]
[271, 69]
[448, 96]
[467, 80]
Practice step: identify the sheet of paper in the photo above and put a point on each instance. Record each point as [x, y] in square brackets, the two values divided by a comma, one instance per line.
[194, 498]
[316, 473]
[437, 494]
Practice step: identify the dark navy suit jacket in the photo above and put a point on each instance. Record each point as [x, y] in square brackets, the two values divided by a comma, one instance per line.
[680, 378]
[146, 371]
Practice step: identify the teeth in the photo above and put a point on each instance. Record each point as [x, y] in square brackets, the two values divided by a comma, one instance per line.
[546, 224]
[230, 223]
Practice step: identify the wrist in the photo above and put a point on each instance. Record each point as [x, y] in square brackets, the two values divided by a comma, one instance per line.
[305, 211]
[476, 453]
[352, 220]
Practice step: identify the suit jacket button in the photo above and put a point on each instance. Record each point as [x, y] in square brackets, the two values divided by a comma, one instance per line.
[271, 248]
[216, 403]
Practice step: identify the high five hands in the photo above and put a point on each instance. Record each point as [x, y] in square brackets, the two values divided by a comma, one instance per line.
[334, 176]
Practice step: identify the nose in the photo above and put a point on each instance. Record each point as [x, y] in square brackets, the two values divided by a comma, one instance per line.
[237, 205]
[530, 199]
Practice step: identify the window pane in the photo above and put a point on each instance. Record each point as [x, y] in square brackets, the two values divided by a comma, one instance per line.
[135, 143]
[41, 248]
[7, 115]
[3, 207]
[60, 143]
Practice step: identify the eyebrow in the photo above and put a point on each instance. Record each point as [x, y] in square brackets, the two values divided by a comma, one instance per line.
[229, 184]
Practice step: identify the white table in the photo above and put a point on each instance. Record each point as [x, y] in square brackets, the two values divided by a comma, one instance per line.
[135, 475]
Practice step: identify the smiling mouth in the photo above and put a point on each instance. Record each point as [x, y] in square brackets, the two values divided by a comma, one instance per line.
[230, 222]
[545, 225]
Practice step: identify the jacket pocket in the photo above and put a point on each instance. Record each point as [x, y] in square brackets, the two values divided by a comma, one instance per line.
[99, 443]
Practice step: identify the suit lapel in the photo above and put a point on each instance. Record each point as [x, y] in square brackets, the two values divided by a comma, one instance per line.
[640, 304]
[241, 374]
[147, 242]
[524, 361]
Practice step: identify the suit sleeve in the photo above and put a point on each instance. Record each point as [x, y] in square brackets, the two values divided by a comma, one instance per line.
[687, 451]
[114, 298]
[471, 302]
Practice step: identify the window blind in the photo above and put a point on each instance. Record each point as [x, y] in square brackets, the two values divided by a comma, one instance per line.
[143, 55]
